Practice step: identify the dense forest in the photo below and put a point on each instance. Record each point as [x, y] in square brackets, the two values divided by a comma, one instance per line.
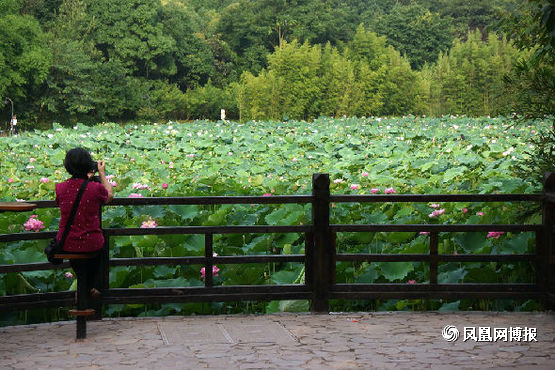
[113, 60]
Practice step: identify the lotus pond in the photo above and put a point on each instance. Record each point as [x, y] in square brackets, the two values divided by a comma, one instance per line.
[362, 155]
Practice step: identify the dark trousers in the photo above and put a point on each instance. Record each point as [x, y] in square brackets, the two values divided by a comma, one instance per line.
[89, 269]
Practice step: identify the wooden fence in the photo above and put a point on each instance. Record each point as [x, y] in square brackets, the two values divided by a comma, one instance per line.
[320, 255]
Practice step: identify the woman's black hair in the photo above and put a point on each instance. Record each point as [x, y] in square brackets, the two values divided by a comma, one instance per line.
[78, 162]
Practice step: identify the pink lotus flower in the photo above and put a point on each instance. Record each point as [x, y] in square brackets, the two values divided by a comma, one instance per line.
[355, 186]
[465, 210]
[480, 213]
[163, 162]
[230, 153]
[140, 186]
[68, 275]
[374, 190]
[294, 159]
[337, 181]
[435, 205]
[33, 224]
[389, 191]
[135, 195]
[436, 213]
[411, 281]
[44, 180]
[113, 183]
[149, 224]
[188, 155]
[127, 141]
[495, 234]
[215, 271]
[267, 195]
[10, 181]
[364, 174]
[31, 160]
[165, 185]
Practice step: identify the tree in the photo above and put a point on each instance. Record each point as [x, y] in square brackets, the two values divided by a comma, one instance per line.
[191, 53]
[24, 58]
[415, 32]
[130, 31]
[469, 78]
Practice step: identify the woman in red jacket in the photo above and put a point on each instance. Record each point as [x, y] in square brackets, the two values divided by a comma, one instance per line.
[85, 234]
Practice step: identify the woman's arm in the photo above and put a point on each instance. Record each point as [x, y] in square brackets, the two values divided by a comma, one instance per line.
[104, 180]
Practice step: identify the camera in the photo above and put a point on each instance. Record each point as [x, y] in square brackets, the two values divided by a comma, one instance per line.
[94, 166]
[94, 169]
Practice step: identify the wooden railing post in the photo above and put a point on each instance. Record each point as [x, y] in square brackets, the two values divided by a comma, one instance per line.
[323, 261]
[104, 271]
[546, 256]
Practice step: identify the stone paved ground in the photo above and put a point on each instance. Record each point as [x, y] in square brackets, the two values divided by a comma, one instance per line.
[283, 341]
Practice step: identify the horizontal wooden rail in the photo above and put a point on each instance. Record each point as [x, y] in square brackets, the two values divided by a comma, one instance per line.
[238, 229]
[351, 257]
[435, 228]
[417, 198]
[154, 261]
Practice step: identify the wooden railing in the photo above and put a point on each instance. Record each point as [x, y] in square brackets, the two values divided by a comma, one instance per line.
[320, 255]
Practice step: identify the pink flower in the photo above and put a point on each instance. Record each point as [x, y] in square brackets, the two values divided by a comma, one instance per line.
[295, 159]
[337, 181]
[389, 191]
[215, 271]
[68, 275]
[374, 190]
[495, 234]
[113, 183]
[355, 186]
[140, 186]
[163, 162]
[480, 213]
[44, 180]
[411, 281]
[30, 167]
[135, 195]
[435, 205]
[165, 185]
[436, 213]
[10, 181]
[230, 153]
[455, 253]
[149, 224]
[132, 159]
[465, 210]
[364, 174]
[31, 160]
[188, 155]
[109, 177]
[127, 141]
[33, 224]
[267, 195]
[424, 233]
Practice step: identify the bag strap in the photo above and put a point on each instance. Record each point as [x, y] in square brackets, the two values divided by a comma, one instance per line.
[73, 212]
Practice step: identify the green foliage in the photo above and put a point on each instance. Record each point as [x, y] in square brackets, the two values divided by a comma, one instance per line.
[24, 61]
[304, 81]
[415, 32]
[469, 78]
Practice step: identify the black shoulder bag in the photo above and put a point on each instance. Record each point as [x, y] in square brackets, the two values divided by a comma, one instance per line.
[54, 247]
